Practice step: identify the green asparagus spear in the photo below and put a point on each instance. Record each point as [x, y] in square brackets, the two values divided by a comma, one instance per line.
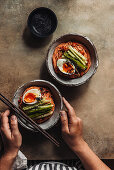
[39, 113]
[40, 109]
[42, 102]
[80, 65]
[42, 116]
[76, 57]
[74, 51]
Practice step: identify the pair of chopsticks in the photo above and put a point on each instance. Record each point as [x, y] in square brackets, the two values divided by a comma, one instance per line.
[20, 114]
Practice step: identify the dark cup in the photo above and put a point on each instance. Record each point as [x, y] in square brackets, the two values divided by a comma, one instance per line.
[42, 22]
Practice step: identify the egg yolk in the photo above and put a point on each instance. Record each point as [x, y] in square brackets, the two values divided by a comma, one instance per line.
[68, 68]
[29, 98]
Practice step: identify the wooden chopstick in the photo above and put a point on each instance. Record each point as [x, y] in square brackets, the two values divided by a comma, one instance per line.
[28, 119]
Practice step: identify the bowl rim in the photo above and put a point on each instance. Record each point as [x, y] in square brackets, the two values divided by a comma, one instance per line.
[61, 103]
[96, 64]
[29, 22]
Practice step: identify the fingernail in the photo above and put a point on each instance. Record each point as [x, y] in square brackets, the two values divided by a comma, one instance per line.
[62, 113]
[7, 110]
[13, 117]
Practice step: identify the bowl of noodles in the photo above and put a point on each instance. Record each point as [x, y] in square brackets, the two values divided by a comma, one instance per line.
[72, 59]
[41, 101]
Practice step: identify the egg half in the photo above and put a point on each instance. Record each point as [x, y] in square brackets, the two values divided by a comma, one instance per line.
[31, 95]
[65, 66]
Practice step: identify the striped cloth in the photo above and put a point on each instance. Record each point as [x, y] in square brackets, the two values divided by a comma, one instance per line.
[56, 166]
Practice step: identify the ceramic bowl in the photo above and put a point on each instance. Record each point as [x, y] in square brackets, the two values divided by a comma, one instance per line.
[93, 54]
[57, 100]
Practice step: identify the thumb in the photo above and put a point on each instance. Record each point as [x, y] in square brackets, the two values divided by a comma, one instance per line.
[64, 122]
[14, 125]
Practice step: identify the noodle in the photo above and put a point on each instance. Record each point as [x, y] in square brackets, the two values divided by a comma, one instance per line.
[61, 48]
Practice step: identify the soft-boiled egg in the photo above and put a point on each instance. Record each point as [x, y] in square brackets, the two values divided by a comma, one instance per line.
[31, 96]
[65, 66]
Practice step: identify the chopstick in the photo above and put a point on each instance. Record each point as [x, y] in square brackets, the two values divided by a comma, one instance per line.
[19, 113]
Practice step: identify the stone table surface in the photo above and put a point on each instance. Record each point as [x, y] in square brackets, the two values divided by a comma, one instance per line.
[23, 59]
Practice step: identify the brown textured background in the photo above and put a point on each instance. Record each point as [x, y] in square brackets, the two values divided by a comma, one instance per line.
[22, 59]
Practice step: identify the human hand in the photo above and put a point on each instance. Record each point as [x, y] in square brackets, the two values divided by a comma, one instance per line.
[11, 136]
[71, 127]
[72, 134]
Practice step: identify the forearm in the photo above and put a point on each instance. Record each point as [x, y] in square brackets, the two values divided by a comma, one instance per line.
[88, 158]
[6, 162]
